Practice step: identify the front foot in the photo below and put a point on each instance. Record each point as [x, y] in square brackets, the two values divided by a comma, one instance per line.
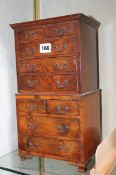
[82, 168]
[22, 156]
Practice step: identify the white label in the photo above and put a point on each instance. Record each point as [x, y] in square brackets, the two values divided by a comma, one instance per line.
[45, 48]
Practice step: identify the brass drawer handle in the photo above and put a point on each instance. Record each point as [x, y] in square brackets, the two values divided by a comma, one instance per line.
[31, 84]
[65, 65]
[30, 144]
[26, 36]
[29, 51]
[63, 128]
[62, 110]
[62, 148]
[58, 109]
[60, 48]
[30, 68]
[31, 107]
[31, 125]
[61, 85]
[66, 109]
[58, 66]
[59, 32]
[61, 66]
[32, 34]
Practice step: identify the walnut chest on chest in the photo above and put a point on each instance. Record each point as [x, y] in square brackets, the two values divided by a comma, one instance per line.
[58, 100]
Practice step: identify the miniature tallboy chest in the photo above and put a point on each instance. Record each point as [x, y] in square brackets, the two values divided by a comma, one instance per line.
[58, 100]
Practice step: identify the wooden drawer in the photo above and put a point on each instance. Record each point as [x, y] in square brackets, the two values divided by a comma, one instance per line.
[42, 106]
[31, 106]
[61, 107]
[28, 35]
[62, 45]
[47, 82]
[49, 65]
[49, 126]
[49, 146]
[60, 29]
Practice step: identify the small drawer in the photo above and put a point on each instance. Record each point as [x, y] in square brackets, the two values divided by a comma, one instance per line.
[49, 146]
[49, 82]
[60, 29]
[64, 45]
[49, 65]
[28, 35]
[31, 106]
[61, 107]
[49, 126]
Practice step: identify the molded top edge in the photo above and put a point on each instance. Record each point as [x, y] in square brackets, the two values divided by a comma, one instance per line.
[79, 16]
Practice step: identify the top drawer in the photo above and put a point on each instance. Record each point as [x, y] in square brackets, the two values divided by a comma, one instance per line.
[60, 29]
[27, 35]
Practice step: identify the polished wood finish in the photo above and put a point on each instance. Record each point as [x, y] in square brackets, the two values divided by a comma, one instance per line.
[49, 126]
[48, 82]
[29, 35]
[60, 46]
[67, 150]
[82, 127]
[48, 65]
[60, 29]
[58, 104]
[70, 38]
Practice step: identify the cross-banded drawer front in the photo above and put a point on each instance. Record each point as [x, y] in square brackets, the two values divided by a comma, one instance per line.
[59, 29]
[49, 146]
[31, 106]
[62, 45]
[49, 65]
[49, 126]
[28, 35]
[49, 82]
[63, 107]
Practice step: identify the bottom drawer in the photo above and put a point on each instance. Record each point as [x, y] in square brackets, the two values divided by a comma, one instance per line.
[48, 146]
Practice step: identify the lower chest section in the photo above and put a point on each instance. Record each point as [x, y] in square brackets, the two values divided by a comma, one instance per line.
[49, 126]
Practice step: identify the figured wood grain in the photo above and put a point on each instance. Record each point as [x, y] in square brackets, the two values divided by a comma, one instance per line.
[60, 45]
[47, 82]
[49, 127]
[29, 35]
[31, 106]
[60, 29]
[49, 146]
[63, 107]
[41, 106]
[58, 100]
[49, 65]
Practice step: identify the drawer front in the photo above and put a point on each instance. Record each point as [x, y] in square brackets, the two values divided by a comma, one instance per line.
[59, 64]
[55, 107]
[63, 107]
[49, 82]
[62, 45]
[29, 35]
[50, 146]
[59, 29]
[31, 106]
[48, 126]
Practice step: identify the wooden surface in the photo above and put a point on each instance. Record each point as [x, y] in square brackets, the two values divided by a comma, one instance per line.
[58, 104]
[73, 42]
[79, 16]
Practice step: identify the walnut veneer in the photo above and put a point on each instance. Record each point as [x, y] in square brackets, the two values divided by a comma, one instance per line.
[58, 100]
